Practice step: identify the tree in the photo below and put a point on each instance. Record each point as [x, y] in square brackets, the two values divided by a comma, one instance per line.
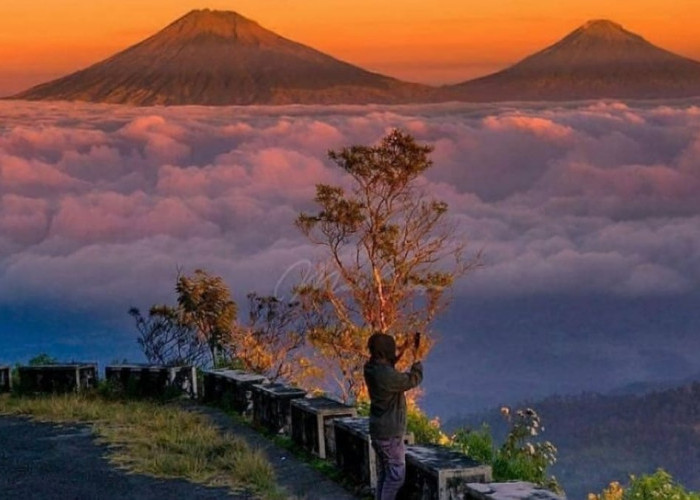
[271, 342]
[392, 255]
[202, 329]
[166, 340]
[205, 304]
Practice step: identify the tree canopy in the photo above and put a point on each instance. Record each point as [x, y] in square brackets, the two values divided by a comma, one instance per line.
[392, 255]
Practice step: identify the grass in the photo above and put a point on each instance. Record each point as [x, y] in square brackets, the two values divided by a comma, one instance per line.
[160, 440]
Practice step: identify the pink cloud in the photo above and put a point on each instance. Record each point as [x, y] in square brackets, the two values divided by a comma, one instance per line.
[598, 197]
[160, 139]
[539, 127]
[23, 219]
[18, 174]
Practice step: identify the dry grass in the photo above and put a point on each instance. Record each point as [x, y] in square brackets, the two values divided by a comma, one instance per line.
[160, 440]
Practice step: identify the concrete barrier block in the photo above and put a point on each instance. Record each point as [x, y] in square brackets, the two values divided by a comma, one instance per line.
[312, 424]
[74, 377]
[5, 379]
[513, 490]
[272, 405]
[354, 454]
[231, 388]
[438, 473]
[153, 380]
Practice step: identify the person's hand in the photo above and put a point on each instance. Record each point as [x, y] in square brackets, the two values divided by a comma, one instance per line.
[416, 345]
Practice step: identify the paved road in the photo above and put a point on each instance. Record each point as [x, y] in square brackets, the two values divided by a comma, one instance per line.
[49, 462]
[42, 461]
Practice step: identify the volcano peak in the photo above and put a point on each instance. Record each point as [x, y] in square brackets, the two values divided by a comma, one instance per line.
[602, 25]
[216, 57]
[224, 24]
[605, 31]
[599, 59]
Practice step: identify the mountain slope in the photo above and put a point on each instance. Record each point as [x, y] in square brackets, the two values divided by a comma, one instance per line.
[603, 438]
[218, 58]
[598, 60]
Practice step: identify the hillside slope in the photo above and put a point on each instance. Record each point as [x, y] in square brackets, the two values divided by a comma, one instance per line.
[220, 58]
[598, 60]
[602, 438]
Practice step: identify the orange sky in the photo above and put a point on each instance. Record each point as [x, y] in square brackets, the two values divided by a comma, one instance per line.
[436, 41]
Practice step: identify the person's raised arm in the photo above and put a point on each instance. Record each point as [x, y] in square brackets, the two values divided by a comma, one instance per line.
[403, 381]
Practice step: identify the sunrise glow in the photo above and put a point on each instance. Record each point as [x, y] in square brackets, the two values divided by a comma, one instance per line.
[437, 43]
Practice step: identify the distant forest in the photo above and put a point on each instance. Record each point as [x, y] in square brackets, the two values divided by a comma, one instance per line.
[603, 438]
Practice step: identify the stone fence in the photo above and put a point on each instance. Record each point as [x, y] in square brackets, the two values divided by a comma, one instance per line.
[73, 377]
[322, 426]
[153, 380]
[5, 379]
[332, 431]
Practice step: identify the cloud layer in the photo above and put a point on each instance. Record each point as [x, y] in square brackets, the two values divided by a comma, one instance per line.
[102, 204]
[588, 215]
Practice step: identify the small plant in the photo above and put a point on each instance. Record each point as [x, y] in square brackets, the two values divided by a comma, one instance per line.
[424, 429]
[111, 390]
[613, 492]
[657, 486]
[520, 457]
[362, 408]
[478, 444]
[42, 359]
[14, 377]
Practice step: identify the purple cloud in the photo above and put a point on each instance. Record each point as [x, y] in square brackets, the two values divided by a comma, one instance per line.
[103, 204]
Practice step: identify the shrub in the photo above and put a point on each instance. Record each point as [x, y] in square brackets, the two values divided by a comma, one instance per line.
[478, 444]
[42, 359]
[520, 457]
[657, 486]
[425, 430]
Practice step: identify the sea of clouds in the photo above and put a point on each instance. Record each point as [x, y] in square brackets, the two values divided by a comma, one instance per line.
[100, 206]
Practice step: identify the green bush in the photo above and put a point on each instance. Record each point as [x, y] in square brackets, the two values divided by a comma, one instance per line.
[478, 444]
[43, 359]
[425, 430]
[111, 390]
[658, 486]
[521, 456]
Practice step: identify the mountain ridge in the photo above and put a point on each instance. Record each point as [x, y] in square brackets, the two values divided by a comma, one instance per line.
[606, 437]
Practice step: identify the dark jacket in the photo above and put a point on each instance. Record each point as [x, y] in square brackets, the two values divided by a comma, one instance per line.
[386, 386]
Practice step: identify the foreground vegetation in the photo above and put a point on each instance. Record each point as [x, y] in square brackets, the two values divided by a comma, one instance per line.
[522, 455]
[657, 486]
[609, 437]
[160, 440]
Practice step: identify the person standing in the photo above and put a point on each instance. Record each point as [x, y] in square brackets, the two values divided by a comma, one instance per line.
[387, 413]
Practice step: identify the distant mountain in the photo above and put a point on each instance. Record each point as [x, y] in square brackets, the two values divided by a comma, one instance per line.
[219, 58]
[642, 388]
[598, 60]
[603, 438]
